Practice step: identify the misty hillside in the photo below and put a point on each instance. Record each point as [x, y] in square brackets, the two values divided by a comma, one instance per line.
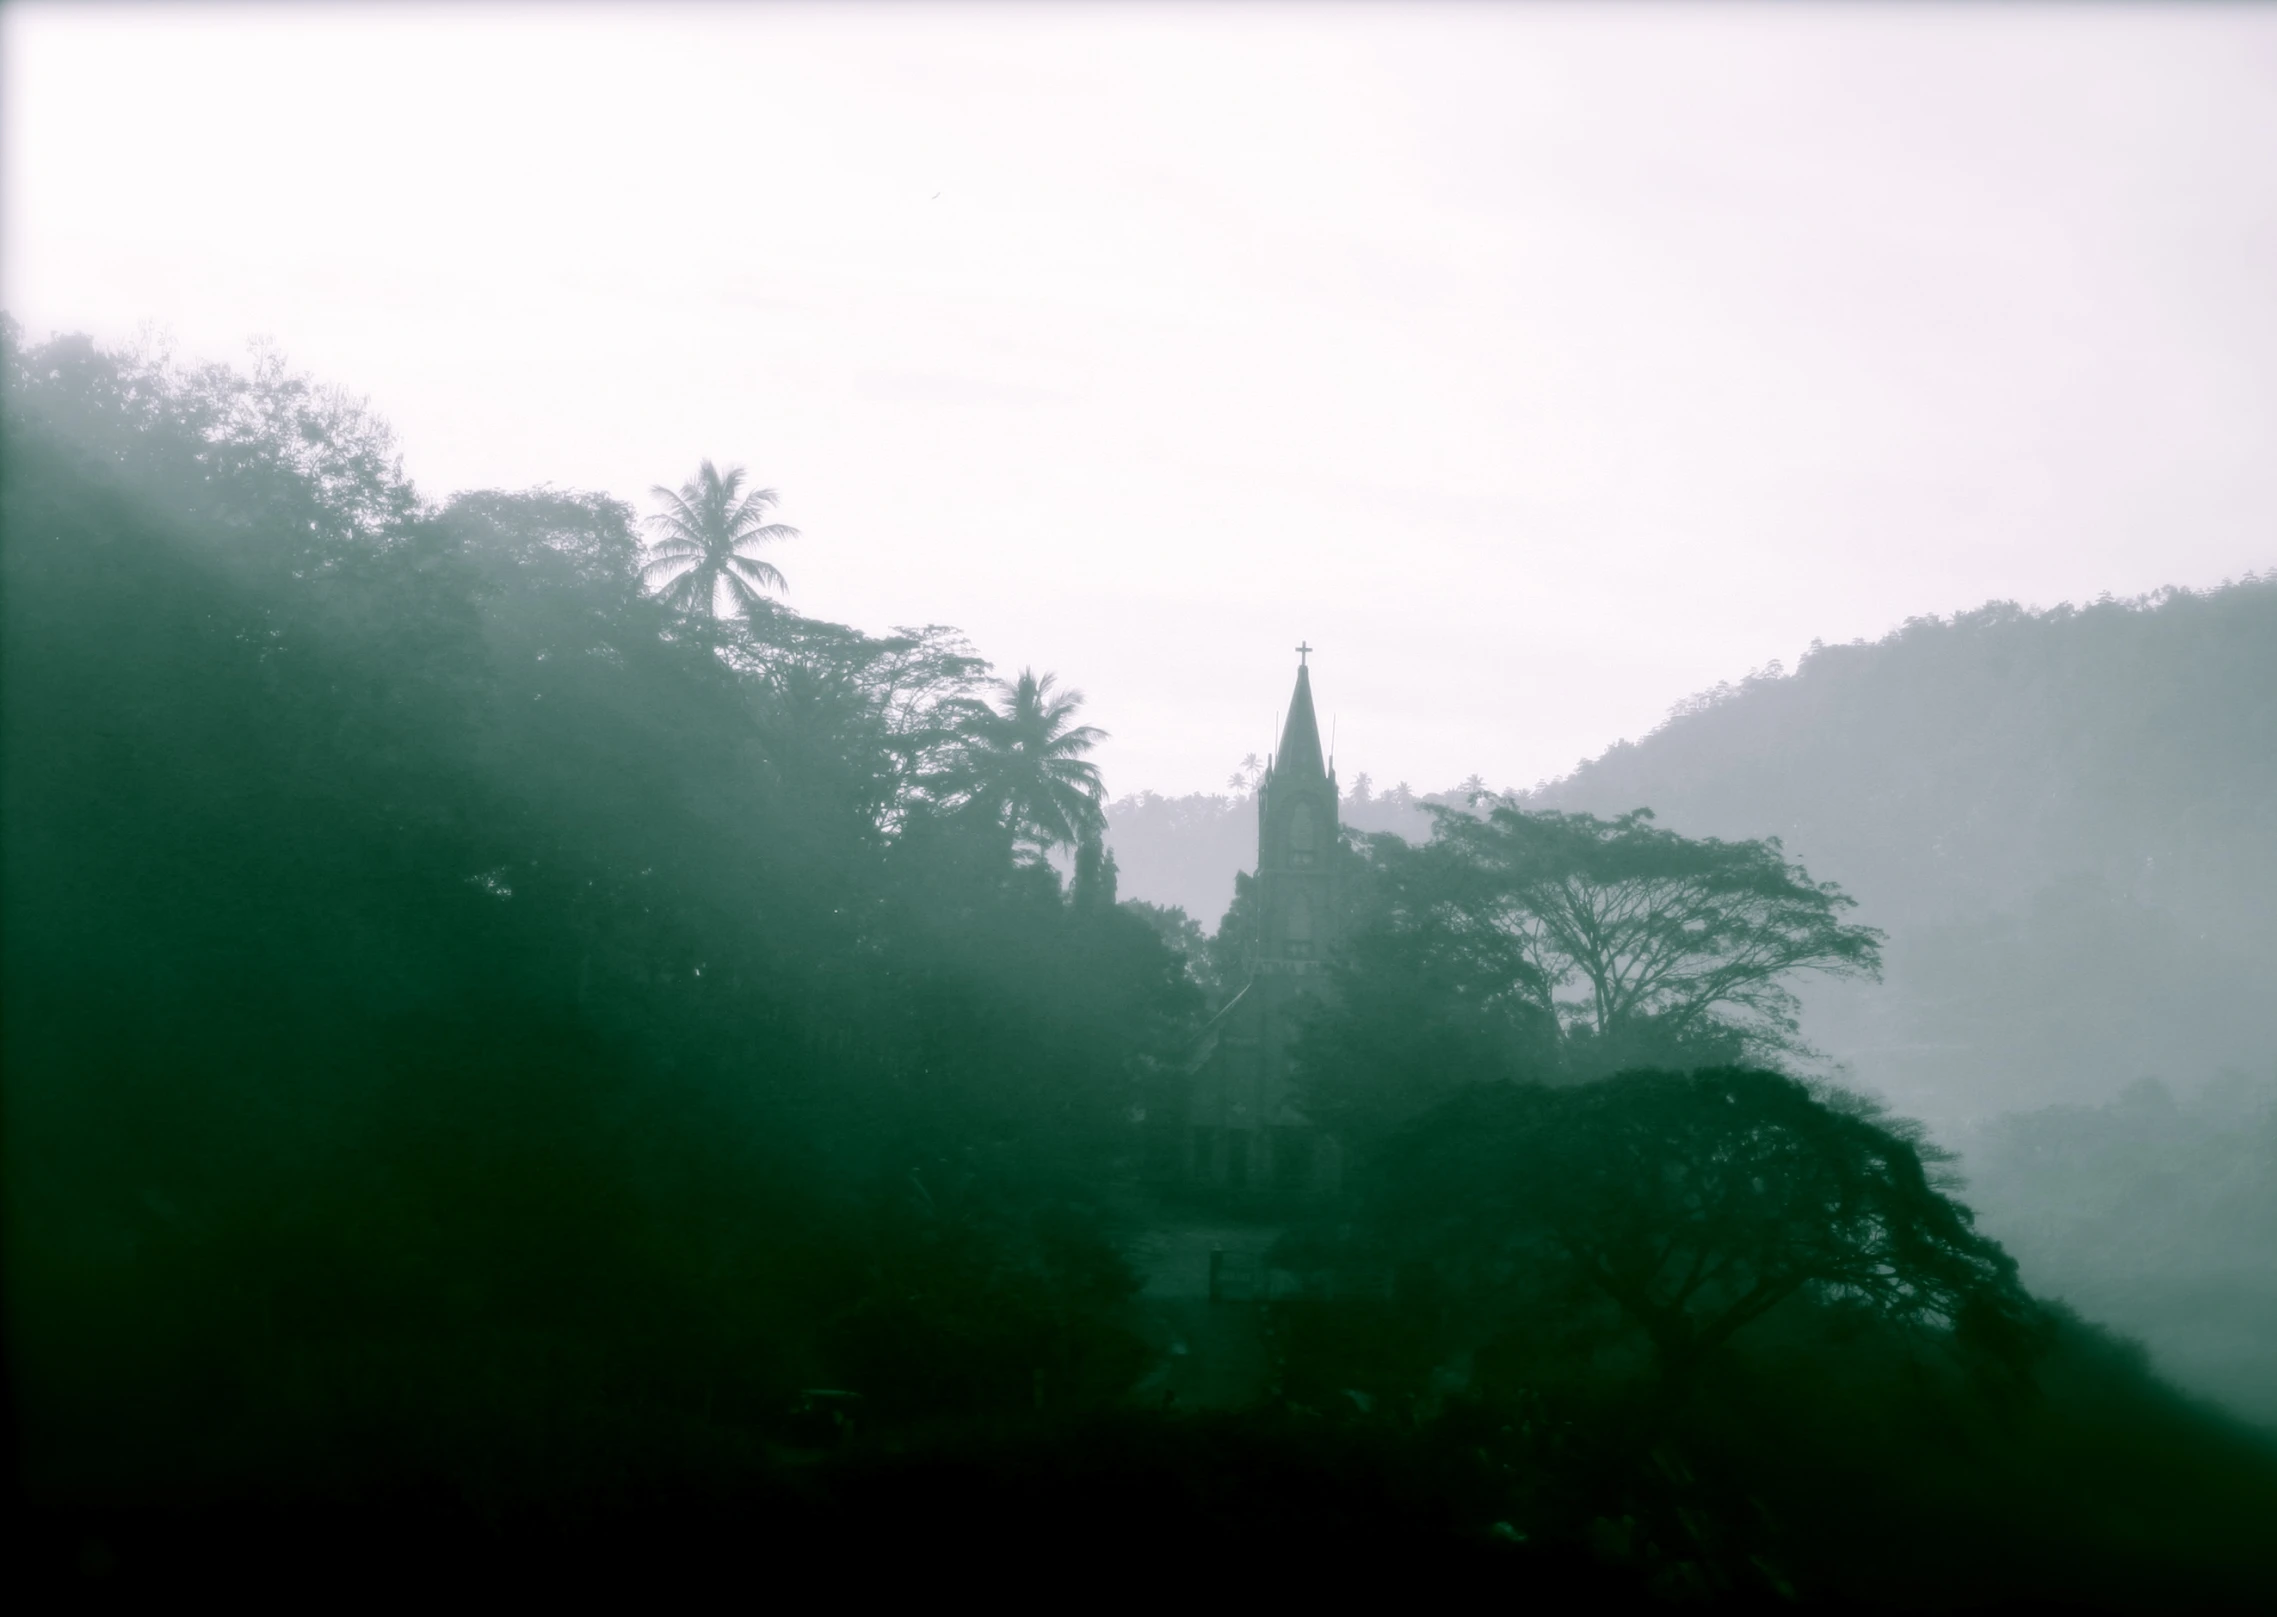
[2156, 1212]
[2063, 819]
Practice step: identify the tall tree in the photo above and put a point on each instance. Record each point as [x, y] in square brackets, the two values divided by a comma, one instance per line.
[1537, 946]
[1024, 763]
[1642, 937]
[707, 536]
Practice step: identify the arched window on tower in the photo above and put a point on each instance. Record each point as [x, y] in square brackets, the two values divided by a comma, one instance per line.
[1301, 849]
[1297, 934]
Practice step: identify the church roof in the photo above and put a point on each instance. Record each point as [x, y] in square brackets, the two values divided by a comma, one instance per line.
[1300, 737]
[1206, 1042]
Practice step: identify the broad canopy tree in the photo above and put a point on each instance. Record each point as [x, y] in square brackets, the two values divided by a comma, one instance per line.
[1521, 944]
[1695, 1203]
[1632, 931]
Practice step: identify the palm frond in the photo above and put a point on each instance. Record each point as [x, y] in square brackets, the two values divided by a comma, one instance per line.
[761, 574]
[702, 533]
[690, 592]
[744, 594]
[1069, 743]
[756, 503]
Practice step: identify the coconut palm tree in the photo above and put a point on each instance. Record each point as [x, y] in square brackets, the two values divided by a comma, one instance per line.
[705, 537]
[1024, 763]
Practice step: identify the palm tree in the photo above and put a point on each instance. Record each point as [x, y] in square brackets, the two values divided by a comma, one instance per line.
[1024, 763]
[706, 534]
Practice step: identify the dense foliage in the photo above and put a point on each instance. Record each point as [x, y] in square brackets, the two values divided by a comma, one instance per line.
[1693, 1203]
[1737, 1336]
[441, 976]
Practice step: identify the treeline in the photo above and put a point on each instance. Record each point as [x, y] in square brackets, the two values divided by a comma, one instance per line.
[465, 1016]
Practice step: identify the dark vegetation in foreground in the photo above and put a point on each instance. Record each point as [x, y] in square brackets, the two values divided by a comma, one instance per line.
[485, 1045]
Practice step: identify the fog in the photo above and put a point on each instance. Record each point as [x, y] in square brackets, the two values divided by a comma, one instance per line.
[1208, 797]
[1144, 343]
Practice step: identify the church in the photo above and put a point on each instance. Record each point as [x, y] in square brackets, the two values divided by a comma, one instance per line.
[1244, 1130]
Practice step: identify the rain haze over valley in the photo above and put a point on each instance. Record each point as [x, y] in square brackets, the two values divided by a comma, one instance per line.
[1424, 785]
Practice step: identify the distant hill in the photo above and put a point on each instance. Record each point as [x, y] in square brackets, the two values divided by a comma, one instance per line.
[2066, 820]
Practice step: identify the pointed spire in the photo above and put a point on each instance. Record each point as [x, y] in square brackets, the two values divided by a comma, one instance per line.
[1300, 738]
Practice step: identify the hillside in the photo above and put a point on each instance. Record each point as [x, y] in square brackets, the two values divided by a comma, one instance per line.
[2063, 819]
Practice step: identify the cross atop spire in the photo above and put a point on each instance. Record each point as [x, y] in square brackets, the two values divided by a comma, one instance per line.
[1301, 651]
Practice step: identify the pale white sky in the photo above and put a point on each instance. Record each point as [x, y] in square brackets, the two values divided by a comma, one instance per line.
[1538, 365]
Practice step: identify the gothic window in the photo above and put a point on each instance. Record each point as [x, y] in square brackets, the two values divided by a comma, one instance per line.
[1300, 834]
[1298, 931]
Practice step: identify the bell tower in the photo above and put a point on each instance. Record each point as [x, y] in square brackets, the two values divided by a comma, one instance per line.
[1246, 1131]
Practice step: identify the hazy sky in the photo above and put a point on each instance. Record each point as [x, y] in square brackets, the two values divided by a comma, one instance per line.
[1540, 366]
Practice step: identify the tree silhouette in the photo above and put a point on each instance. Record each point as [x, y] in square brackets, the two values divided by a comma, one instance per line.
[1667, 940]
[1696, 1203]
[707, 535]
[1526, 946]
[1024, 763]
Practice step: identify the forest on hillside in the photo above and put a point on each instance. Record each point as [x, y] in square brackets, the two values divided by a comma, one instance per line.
[524, 1051]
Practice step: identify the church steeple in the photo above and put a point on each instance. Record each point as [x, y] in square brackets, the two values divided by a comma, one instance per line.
[1299, 757]
[1296, 834]
[1248, 1129]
